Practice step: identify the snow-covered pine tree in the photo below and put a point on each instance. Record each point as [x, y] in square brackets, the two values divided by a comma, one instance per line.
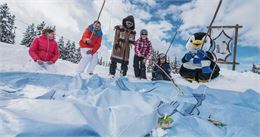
[78, 55]
[61, 48]
[40, 27]
[256, 68]
[7, 28]
[66, 51]
[70, 53]
[73, 54]
[28, 35]
[150, 61]
[12, 35]
[175, 66]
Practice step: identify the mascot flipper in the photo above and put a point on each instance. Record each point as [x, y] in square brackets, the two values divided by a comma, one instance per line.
[198, 63]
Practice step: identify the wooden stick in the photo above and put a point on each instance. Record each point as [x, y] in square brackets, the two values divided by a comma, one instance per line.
[94, 32]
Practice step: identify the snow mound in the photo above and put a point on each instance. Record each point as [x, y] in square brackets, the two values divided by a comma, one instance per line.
[118, 107]
[62, 104]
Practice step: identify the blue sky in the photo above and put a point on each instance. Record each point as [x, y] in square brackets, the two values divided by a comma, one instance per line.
[159, 17]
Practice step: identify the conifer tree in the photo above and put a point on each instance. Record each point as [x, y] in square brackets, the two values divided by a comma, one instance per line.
[28, 35]
[7, 28]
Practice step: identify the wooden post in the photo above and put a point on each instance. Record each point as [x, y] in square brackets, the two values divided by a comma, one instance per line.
[235, 48]
[210, 31]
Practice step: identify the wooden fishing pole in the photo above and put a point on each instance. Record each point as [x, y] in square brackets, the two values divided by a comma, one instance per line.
[171, 42]
[210, 25]
[173, 38]
[99, 14]
[215, 122]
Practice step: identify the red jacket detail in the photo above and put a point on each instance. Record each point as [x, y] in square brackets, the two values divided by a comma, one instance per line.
[44, 49]
[95, 41]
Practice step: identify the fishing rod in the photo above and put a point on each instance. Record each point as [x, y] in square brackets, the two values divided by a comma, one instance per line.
[173, 38]
[99, 14]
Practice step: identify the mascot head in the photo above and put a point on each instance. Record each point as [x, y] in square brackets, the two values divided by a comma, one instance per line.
[195, 42]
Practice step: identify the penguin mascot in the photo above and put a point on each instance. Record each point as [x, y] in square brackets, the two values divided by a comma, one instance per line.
[198, 63]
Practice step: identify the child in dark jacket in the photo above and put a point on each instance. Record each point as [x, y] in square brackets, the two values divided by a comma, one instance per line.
[157, 73]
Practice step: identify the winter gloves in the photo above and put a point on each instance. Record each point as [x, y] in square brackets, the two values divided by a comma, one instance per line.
[188, 56]
[88, 41]
[206, 70]
[39, 62]
[199, 56]
[90, 52]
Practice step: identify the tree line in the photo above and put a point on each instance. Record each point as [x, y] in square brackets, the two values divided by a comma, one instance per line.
[67, 49]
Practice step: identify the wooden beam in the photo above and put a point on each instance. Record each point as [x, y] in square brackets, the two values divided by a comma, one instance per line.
[222, 62]
[229, 26]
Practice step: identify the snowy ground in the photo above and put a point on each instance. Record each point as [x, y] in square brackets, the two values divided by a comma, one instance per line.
[43, 104]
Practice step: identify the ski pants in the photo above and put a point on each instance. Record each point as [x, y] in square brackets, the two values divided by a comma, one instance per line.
[113, 65]
[139, 67]
[88, 61]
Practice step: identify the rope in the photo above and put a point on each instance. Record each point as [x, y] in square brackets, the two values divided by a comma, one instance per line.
[174, 36]
[214, 17]
[210, 78]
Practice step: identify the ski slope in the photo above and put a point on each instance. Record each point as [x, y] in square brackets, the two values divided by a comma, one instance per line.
[43, 104]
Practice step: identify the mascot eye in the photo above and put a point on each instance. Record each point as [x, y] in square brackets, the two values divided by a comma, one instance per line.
[205, 41]
[191, 41]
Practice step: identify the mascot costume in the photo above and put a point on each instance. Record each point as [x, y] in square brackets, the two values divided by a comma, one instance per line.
[198, 64]
[124, 38]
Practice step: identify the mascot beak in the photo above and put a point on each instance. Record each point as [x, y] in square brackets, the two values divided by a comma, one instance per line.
[197, 44]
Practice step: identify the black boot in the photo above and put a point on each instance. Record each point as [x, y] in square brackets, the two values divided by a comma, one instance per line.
[124, 68]
[143, 71]
[136, 66]
[112, 68]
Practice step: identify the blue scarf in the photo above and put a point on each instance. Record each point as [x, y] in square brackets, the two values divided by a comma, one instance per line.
[98, 33]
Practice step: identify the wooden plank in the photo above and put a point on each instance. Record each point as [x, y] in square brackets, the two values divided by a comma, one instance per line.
[229, 26]
[222, 62]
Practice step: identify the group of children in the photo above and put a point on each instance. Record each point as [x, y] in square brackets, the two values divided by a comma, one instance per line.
[198, 63]
[44, 51]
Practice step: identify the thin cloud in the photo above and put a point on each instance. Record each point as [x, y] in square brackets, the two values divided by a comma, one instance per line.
[198, 14]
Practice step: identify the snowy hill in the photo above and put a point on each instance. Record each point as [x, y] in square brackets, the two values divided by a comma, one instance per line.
[43, 104]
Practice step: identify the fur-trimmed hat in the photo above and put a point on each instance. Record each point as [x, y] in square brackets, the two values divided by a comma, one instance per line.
[129, 22]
